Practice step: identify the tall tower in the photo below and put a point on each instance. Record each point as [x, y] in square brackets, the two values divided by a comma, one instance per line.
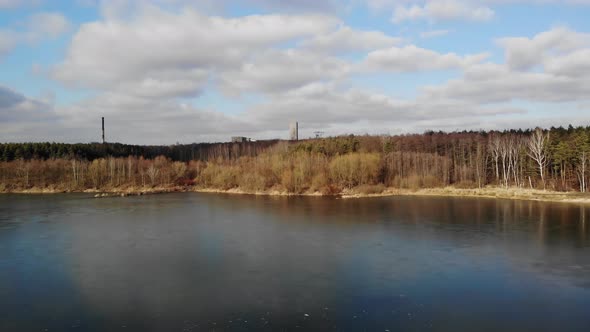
[103, 130]
[294, 131]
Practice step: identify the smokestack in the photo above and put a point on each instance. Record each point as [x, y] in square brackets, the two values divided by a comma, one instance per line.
[294, 131]
[103, 130]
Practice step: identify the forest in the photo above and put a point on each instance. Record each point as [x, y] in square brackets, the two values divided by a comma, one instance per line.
[91, 151]
[555, 159]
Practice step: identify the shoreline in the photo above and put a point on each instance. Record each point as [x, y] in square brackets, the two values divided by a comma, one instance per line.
[98, 193]
[487, 192]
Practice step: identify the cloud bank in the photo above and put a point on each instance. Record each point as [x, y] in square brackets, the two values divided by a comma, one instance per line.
[162, 74]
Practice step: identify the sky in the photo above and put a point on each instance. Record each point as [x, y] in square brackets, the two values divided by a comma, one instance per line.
[180, 71]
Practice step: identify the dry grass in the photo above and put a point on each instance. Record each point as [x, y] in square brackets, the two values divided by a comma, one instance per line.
[370, 189]
[490, 192]
[358, 192]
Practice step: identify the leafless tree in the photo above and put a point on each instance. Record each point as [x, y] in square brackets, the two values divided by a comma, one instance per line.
[23, 169]
[582, 169]
[481, 162]
[515, 146]
[504, 151]
[153, 173]
[179, 169]
[537, 150]
[111, 163]
[494, 148]
[76, 171]
[130, 165]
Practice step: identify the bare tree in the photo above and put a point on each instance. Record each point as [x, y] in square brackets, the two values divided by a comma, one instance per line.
[537, 145]
[179, 169]
[130, 166]
[111, 162]
[23, 169]
[76, 172]
[153, 173]
[494, 148]
[582, 168]
[481, 161]
[504, 151]
[515, 146]
[511, 147]
[94, 171]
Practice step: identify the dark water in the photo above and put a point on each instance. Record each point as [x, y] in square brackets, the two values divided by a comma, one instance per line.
[202, 262]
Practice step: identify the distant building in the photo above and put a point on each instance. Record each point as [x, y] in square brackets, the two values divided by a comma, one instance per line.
[294, 131]
[240, 139]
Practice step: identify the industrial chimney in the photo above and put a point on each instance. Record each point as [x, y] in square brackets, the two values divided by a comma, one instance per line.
[294, 131]
[103, 130]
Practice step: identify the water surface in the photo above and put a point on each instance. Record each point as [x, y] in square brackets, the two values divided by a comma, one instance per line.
[207, 262]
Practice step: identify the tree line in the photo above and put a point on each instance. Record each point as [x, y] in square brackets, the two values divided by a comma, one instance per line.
[91, 151]
[555, 159]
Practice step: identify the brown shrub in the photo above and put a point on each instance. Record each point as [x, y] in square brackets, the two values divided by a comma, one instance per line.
[354, 169]
[370, 189]
[319, 181]
[251, 181]
[465, 185]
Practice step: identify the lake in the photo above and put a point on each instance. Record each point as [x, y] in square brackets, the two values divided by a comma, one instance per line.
[213, 262]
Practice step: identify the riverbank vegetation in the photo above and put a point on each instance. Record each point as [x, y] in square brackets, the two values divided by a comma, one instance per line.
[557, 159]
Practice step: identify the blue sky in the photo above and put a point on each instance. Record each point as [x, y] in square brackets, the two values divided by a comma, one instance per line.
[166, 71]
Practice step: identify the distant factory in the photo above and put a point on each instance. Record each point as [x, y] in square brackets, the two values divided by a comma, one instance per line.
[293, 134]
[240, 139]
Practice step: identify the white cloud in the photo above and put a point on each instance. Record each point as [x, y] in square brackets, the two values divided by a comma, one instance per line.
[412, 59]
[346, 39]
[148, 121]
[575, 64]
[122, 8]
[145, 69]
[551, 67]
[390, 4]
[339, 109]
[167, 83]
[301, 5]
[140, 67]
[442, 10]
[525, 53]
[274, 71]
[158, 49]
[492, 83]
[19, 114]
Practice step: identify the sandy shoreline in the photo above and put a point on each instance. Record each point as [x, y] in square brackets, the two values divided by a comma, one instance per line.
[488, 192]
[100, 192]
